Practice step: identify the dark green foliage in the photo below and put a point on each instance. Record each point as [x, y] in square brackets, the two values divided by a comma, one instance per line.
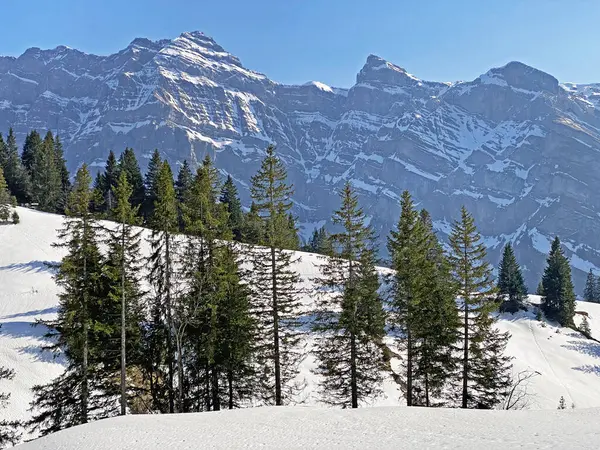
[3, 153]
[253, 230]
[64, 175]
[107, 181]
[591, 288]
[184, 181]
[559, 297]
[485, 370]
[33, 143]
[229, 197]
[540, 289]
[15, 218]
[319, 242]
[275, 284]
[151, 185]
[6, 200]
[350, 319]
[510, 282]
[128, 163]
[9, 430]
[15, 173]
[46, 175]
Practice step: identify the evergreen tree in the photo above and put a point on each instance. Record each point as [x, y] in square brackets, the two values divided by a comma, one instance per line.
[275, 282]
[9, 430]
[559, 297]
[510, 282]
[6, 200]
[123, 272]
[33, 143]
[589, 293]
[80, 330]
[562, 404]
[293, 240]
[319, 242]
[128, 163]
[229, 197]
[253, 229]
[151, 185]
[46, 175]
[65, 181]
[164, 225]
[485, 370]
[108, 182]
[540, 289]
[3, 153]
[350, 318]
[584, 328]
[184, 181]
[16, 175]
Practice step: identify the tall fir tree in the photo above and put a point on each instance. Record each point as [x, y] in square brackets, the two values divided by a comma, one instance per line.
[9, 429]
[151, 185]
[46, 177]
[350, 320]
[129, 164]
[253, 228]
[3, 153]
[65, 177]
[108, 182]
[559, 296]
[123, 271]
[319, 242]
[32, 145]
[162, 260]
[485, 369]
[15, 173]
[230, 197]
[6, 200]
[80, 330]
[510, 282]
[275, 283]
[589, 293]
[184, 181]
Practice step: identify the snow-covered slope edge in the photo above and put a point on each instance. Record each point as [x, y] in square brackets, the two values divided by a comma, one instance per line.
[569, 364]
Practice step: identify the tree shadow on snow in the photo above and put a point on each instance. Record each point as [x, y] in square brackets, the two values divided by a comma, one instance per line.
[31, 267]
[35, 312]
[23, 330]
[590, 348]
[588, 368]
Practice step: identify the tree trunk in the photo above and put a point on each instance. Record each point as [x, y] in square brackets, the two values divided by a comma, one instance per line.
[207, 397]
[278, 399]
[409, 369]
[84, 363]
[179, 373]
[169, 322]
[216, 401]
[353, 374]
[465, 387]
[123, 331]
[230, 387]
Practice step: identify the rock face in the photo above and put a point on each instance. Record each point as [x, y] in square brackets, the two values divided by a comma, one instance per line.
[517, 148]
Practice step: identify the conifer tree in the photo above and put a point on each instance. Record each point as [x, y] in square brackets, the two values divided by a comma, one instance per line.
[510, 282]
[589, 293]
[151, 185]
[123, 271]
[32, 145]
[584, 328]
[559, 297]
[164, 225]
[9, 430]
[318, 242]
[15, 173]
[485, 370]
[46, 175]
[65, 181]
[184, 181]
[229, 197]
[3, 153]
[80, 330]
[108, 182]
[253, 229]
[350, 318]
[275, 282]
[6, 200]
[129, 164]
[540, 289]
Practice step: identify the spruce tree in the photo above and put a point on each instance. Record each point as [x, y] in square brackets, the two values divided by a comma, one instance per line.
[485, 370]
[108, 182]
[16, 175]
[540, 289]
[3, 153]
[350, 320]
[275, 283]
[46, 177]
[510, 282]
[151, 185]
[128, 163]
[253, 230]
[65, 181]
[162, 259]
[6, 200]
[9, 430]
[32, 145]
[184, 181]
[123, 272]
[589, 293]
[229, 197]
[559, 297]
[319, 242]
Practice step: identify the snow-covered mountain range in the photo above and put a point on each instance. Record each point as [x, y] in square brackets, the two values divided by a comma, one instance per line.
[515, 146]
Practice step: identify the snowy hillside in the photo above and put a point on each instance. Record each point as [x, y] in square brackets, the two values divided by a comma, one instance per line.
[569, 365]
[303, 428]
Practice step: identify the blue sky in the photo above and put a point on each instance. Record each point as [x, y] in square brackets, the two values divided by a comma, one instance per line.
[294, 41]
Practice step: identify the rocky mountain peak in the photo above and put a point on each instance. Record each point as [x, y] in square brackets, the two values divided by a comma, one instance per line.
[521, 76]
[378, 70]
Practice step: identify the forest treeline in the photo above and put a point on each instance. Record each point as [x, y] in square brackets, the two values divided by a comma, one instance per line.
[212, 315]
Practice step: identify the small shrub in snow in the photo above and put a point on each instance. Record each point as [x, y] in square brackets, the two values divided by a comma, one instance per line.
[15, 218]
[562, 404]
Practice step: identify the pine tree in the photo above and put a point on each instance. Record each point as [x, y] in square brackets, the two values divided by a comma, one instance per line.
[184, 181]
[350, 320]
[80, 330]
[510, 282]
[484, 367]
[584, 328]
[540, 289]
[229, 196]
[46, 175]
[3, 153]
[164, 224]
[275, 284]
[108, 182]
[33, 143]
[589, 293]
[65, 181]
[128, 163]
[16, 175]
[253, 230]
[559, 297]
[319, 242]
[9, 430]
[151, 185]
[6, 200]
[123, 271]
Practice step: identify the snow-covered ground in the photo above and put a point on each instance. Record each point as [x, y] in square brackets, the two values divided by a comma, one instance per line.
[568, 364]
[311, 428]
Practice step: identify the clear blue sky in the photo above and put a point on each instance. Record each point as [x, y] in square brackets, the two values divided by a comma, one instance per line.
[294, 41]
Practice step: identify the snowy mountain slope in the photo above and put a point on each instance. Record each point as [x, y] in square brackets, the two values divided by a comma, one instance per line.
[569, 365]
[367, 428]
[516, 147]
